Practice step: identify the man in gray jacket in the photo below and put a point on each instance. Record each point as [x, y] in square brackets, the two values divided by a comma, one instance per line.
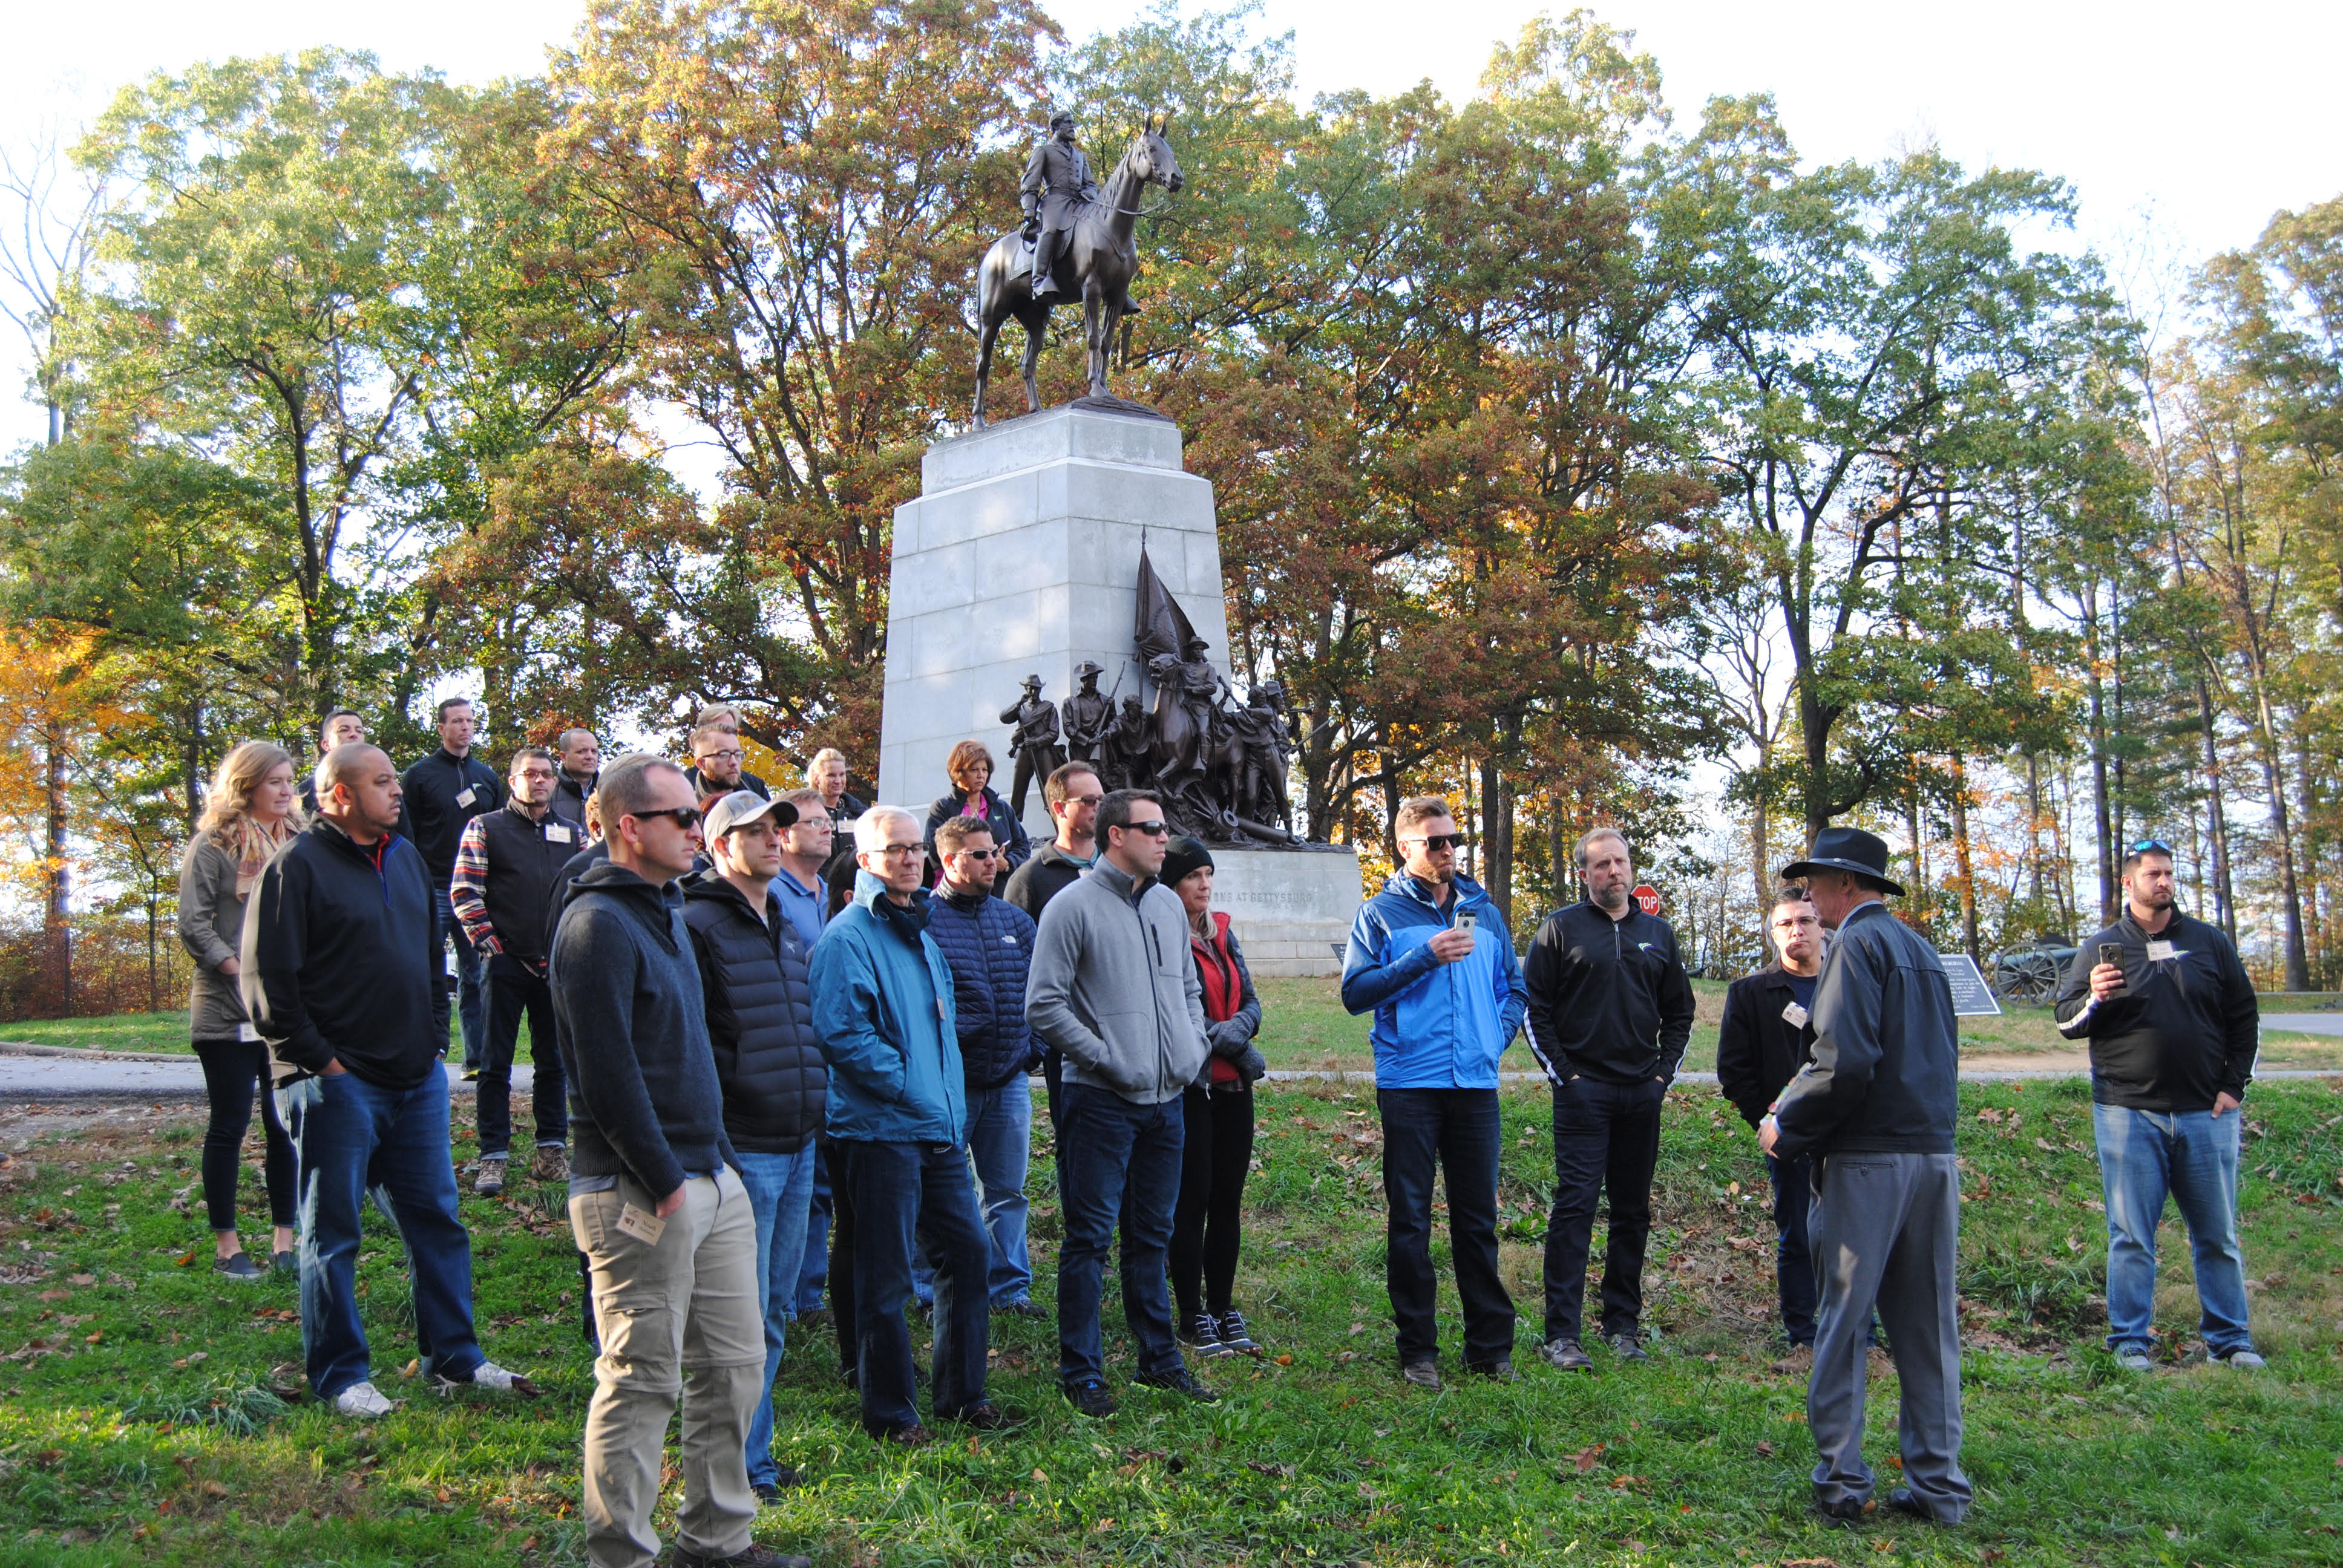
[1114, 990]
[1874, 1110]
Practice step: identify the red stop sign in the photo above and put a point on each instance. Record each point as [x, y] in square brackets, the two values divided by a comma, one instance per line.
[1648, 897]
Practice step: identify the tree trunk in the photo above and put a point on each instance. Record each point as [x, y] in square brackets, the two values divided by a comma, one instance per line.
[2298, 965]
[1497, 836]
[57, 914]
[1962, 859]
[2034, 829]
[2102, 830]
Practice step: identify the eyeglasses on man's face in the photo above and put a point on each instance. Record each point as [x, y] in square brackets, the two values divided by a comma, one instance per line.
[681, 816]
[1159, 826]
[980, 854]
[1435, 842]
[900, 852]
[1092, 802]
[726, 756]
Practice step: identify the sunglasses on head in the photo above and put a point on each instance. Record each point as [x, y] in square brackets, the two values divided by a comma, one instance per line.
[2151, 847]
[681, 816]
[1434, 842]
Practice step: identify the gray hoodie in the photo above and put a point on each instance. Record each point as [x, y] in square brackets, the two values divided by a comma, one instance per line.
[1114, 990]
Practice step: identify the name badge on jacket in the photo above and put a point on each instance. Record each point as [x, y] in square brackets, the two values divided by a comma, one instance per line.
[2158, 952]
[467, 797]
[555, 833]
[1796, 1016]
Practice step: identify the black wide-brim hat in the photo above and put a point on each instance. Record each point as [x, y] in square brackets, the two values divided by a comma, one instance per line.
[1847, 849]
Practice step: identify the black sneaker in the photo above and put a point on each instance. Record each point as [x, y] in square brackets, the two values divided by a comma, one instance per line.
[288, 1263]
[1422, 1374]
[1498, 1370]
[984, 1416]
[1178, 1380]
[1023, 1307]
[236, 1266]
[1202, 1335]
[1089, 1397]
[784, 1477]
[1233, 1335]
[1847, 1510]
[1902, 1500]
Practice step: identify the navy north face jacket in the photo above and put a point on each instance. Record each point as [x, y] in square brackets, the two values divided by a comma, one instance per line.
[988, 943]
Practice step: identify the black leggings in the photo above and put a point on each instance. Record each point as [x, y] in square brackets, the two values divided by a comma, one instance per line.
[1216, 1152]
[231, 1067]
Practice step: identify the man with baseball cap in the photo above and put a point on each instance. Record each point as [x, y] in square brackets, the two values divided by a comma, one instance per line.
[1874, 1111]
[756, 990]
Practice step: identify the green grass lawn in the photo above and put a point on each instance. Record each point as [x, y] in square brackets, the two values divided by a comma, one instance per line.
[136, 1426]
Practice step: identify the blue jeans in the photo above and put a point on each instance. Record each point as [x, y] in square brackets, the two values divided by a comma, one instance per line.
[1427, 1132]
[779, 1187]
[350, 1134]
[1110, 1149]
[515, 989]
[813, 1274]
[1000, 1143]
[903, 1195]
[2192, 1155]
[471, 983]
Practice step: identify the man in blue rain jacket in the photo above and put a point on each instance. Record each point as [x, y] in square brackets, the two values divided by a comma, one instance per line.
[1432, 958]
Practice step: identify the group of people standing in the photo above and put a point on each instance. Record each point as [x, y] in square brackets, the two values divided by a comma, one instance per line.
[754, 1035]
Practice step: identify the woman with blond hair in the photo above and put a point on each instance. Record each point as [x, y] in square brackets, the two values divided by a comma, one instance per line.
[250, 812]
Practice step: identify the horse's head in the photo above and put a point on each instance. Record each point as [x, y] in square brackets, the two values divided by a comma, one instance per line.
[1150, 156]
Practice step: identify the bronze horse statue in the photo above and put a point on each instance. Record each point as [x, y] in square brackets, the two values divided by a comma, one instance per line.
[1099, 263]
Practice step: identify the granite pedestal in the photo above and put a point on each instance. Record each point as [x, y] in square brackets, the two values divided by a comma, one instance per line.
[1020, 557]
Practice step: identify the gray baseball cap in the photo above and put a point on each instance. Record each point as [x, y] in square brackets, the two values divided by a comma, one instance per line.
[741, 808]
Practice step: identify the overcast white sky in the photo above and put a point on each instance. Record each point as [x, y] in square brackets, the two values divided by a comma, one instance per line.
[2213, 118]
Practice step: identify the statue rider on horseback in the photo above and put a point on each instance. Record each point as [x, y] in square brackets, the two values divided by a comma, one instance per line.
[1057, 186]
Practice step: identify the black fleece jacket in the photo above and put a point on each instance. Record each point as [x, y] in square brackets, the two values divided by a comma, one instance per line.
[341, 959]
[2184, 1029]
[437, 811]
[1757, 1049]
[1608, 998]
[645, 1100]
[753, 975]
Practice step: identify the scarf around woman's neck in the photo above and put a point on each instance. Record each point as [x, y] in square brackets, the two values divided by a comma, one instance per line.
[251, 845]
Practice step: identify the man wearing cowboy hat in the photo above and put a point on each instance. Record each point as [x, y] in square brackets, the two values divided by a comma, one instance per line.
[1874, 1110]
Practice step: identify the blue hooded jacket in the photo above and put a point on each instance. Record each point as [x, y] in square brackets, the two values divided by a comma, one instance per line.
[883, 1009]
[1437, 1026]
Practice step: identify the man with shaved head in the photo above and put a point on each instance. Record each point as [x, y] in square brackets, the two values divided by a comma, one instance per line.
[340, 962]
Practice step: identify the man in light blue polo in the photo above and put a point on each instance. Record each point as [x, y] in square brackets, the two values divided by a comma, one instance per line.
[1433, 961]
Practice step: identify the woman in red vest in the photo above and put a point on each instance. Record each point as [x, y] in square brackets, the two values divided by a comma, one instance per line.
[1218, 1147]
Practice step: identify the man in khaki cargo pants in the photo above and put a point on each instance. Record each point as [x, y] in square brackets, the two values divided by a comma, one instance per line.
[654, 1202]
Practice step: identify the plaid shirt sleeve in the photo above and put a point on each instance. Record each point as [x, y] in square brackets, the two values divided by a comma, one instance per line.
[468, 892]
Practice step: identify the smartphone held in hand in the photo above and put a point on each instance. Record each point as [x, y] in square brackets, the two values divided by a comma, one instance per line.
[2112, 953]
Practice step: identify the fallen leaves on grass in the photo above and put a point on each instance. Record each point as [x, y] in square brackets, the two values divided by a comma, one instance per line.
[1585, 1459]
[1262, 1467]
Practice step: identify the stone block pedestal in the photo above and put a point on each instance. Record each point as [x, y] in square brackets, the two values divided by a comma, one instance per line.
[1020, 557]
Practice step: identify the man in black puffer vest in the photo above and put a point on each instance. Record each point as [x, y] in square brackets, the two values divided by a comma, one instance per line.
[988, 943]
[752, 974]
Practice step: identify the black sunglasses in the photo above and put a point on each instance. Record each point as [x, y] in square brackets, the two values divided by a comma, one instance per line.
[1159, 826]
[2152, 847]
[681, 816]
[1436, 841]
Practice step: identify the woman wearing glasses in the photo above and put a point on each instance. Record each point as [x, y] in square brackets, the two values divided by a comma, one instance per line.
[971, 767]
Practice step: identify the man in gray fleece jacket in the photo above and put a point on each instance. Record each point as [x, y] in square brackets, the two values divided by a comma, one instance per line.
[1113, 988]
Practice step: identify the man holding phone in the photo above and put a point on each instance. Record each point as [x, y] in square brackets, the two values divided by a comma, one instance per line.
[2173, 1028]
[1447, 1001]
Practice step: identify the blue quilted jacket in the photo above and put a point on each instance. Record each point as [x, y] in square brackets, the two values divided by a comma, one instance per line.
[989, 946]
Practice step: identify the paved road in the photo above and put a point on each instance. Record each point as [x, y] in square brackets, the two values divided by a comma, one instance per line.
[37, 1078]
[2304, 1023]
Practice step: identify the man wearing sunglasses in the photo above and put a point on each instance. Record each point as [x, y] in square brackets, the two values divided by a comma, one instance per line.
[1430, 957]
[988, 943]
[2174, 1028]
[1113, 988]
[655, 1199]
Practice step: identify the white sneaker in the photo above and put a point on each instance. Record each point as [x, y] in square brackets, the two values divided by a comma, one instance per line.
[364, 1401]
[497, 1380]
[2244, 1360]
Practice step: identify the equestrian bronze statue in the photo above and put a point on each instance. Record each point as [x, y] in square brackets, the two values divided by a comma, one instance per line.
[1077, 238]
